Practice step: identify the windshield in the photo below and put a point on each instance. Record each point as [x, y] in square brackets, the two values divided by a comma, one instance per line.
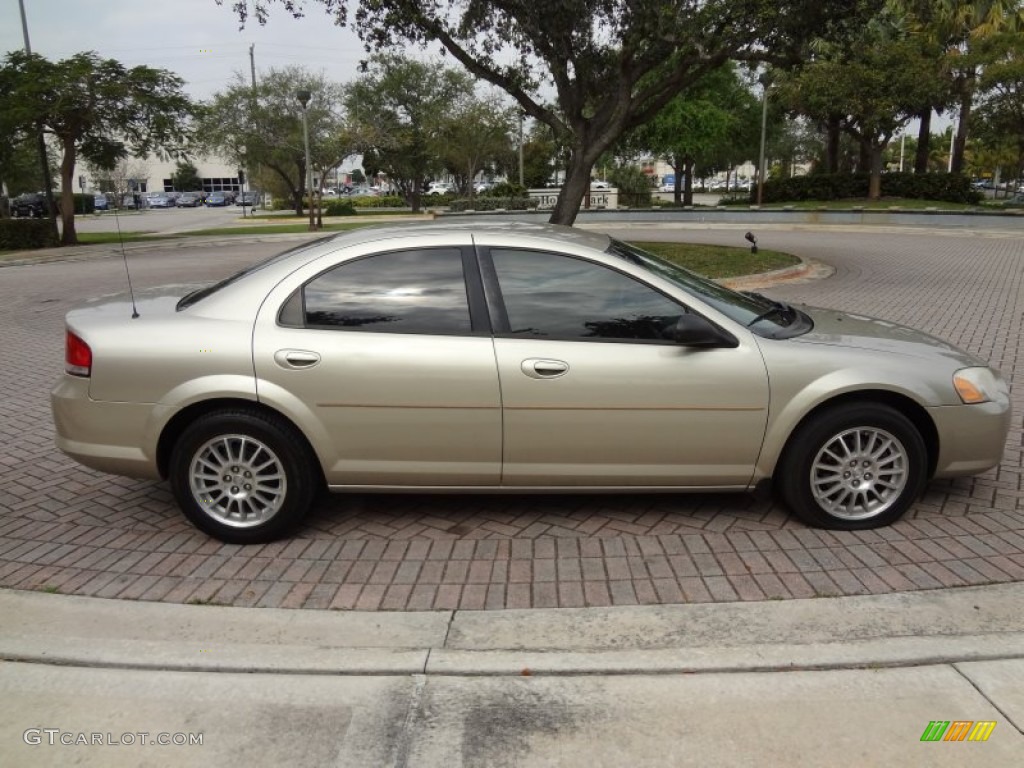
[752, 310]
[202, 293]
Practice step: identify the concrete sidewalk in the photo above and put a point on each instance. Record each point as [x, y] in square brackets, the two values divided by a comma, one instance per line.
[843, 681]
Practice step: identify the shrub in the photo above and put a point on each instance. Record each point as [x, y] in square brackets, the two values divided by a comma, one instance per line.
[379, 201]
[947, 187]
[634, 186]
[506, 189]
[84, 203]
[489, 203]
[26, 234]
[334, 206]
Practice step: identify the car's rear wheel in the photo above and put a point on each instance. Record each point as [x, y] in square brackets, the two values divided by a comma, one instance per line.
[243, 476]
[855, 466]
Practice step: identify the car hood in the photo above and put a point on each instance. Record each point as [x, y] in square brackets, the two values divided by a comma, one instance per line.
[843, 329]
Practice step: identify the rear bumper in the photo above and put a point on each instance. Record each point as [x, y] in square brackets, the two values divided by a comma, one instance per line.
[972, 438]
[110, 437]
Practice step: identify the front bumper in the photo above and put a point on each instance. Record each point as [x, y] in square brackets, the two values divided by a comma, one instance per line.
[972, 438]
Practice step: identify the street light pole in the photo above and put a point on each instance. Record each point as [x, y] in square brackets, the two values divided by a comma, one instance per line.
[304, 97]
[764, 130]
[51, 206]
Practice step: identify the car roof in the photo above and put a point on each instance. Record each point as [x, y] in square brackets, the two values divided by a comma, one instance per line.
[567, 235]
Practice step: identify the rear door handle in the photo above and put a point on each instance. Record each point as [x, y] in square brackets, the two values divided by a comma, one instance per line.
[296, 359]
[537, 368]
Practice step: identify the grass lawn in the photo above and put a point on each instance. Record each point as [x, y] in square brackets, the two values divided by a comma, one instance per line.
[717, 261]
[95, 238]
[272, 229]
[290, 215]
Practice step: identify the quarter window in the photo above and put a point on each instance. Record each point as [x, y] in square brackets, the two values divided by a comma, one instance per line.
[560, 297]
[419, 291]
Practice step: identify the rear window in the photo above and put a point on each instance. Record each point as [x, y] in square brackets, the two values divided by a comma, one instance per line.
[196, 296]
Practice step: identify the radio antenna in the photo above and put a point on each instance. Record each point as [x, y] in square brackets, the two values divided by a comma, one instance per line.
[124, 256]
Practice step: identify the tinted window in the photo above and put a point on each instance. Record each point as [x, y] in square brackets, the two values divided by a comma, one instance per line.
[400, 292]
[561, 297]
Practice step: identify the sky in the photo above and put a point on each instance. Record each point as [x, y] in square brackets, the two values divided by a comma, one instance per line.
[198, 40]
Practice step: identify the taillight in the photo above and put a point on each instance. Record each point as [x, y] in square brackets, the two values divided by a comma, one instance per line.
[77, 356]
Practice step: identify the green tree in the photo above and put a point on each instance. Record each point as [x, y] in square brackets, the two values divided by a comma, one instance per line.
[20, 170]
[875, 87]
[614, 64]
[398, 113]
[186, 177]
[1001, 114]
[96, 109]
[962, 34]
[263, 127]
[474, 136]
[703, 125]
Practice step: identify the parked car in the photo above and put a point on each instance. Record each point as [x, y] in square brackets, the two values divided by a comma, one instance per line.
[189, 200]
[159, 201]
[30, 205]
[247, 198]
[100, 203]
[384, 359]
[440, 188]
[216, 199]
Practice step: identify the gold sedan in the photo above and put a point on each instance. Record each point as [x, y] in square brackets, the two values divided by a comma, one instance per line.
[485, 357]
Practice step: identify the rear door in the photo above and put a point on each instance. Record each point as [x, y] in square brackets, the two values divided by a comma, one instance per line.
[389, 366]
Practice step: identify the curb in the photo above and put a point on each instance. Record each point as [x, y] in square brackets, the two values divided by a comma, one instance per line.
[896, 630]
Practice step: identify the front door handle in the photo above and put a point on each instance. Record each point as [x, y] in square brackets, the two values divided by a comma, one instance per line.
[296, 359]
[537, 368]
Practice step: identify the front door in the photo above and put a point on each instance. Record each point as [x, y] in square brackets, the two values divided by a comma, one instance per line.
[595, 392]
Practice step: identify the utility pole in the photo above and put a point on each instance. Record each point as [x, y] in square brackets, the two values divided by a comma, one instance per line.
[259, 171]
[51, 207]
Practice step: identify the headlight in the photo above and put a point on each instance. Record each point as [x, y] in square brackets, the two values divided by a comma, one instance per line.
[975, 385]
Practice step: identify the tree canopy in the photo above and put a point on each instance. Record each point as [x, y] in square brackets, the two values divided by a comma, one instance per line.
[96, 109]
[261, 127]
[613, 64]
[399, 111]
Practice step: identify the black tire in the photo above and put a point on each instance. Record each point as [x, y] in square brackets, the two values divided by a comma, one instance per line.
[239, 508]
[868, 492]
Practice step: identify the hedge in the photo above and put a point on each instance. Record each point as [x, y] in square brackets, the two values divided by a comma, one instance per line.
[947, 187]
[26, 234]
[494, 204]
[84, 203]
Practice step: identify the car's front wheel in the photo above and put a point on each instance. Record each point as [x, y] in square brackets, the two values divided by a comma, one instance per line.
[243, 476]
[855, 466]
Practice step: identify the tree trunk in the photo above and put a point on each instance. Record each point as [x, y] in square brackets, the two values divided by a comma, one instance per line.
[678, 169]
[297, 203]
[963, 124]
[864, 163]
[875, 182]
[924, 138]
[832, 133]
[577, 184]
[688, 191]
[417, 194]
[67, 195]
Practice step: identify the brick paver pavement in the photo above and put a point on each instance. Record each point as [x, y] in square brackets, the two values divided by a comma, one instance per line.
[69, 529]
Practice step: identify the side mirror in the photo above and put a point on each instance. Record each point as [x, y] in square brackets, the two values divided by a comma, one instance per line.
[695, 331]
